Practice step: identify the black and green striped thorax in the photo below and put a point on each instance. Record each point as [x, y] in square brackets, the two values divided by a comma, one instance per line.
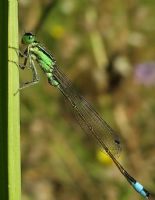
[44, 58]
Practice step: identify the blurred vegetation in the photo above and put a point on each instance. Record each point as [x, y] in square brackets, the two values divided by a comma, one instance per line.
[107, 50]
[4, 99]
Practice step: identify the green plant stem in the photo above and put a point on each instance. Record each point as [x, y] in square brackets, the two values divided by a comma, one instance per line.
[14, 169]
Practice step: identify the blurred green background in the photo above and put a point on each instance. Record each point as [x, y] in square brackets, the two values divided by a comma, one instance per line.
[107, 49]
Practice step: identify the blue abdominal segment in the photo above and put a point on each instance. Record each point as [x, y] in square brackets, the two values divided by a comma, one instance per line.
[140, 189]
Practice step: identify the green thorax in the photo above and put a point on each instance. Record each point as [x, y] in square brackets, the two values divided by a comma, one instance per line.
[44, 58]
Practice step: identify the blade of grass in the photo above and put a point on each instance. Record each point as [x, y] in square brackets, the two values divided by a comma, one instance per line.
[3, 99]
[14, 169]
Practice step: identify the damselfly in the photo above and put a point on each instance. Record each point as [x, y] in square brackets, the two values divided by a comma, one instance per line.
[90, 121]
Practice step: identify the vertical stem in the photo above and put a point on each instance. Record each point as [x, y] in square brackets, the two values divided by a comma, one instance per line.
[3, 99]
[14, 171]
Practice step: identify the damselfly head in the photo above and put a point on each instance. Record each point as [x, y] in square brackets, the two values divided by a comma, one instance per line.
[28, 38]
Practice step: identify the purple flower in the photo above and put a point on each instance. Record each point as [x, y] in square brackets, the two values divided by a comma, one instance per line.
[145, 73]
